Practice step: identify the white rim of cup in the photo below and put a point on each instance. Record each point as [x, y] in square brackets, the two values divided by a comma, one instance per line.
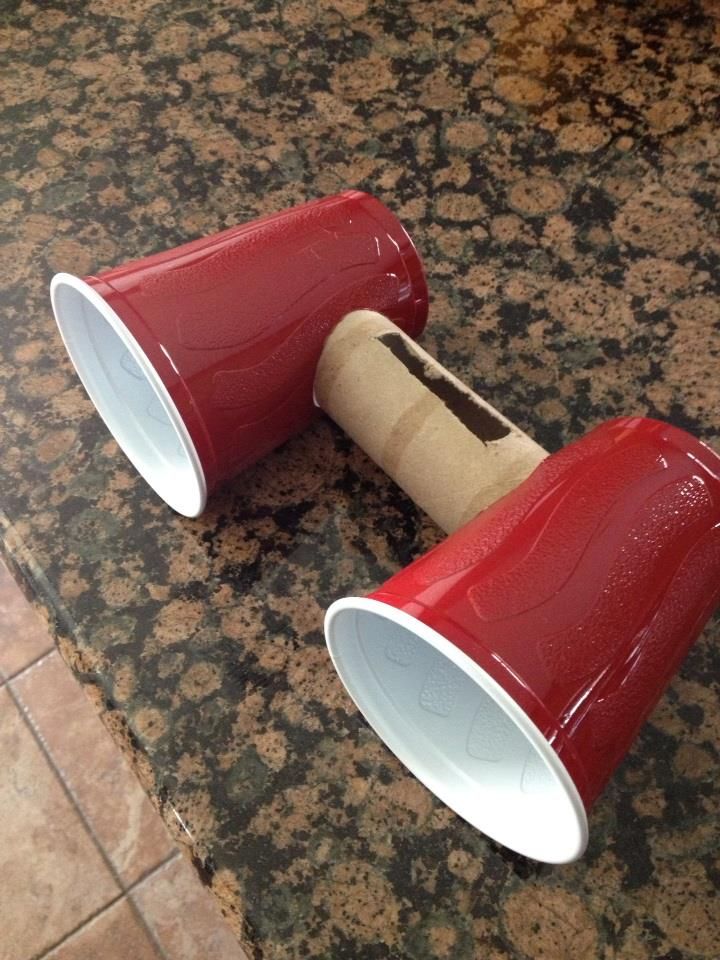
[186, 494]
[397, 733]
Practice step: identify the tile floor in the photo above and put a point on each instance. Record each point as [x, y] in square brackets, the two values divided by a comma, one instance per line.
[87, 869]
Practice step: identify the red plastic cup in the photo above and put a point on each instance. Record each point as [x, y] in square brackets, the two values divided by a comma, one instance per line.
[511, 667]
[201, 360]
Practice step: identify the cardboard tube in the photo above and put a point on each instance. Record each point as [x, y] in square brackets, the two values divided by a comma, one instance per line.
[448, 449]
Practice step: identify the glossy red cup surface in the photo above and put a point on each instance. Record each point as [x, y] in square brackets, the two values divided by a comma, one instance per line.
[578, 594]
[233, 324]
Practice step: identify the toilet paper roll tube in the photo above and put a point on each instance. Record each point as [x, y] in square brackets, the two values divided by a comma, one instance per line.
[449, 450]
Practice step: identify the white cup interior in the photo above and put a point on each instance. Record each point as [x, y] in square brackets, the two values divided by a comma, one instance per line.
[129, 395]
[457, 730]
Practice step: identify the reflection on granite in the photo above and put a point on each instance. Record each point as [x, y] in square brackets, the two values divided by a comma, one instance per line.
[558, 165]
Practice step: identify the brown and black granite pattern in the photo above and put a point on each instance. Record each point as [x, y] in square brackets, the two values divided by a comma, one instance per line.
[558, 164]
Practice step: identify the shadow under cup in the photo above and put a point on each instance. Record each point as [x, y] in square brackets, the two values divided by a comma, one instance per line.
[511, 667]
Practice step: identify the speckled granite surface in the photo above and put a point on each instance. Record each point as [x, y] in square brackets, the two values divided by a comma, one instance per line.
[558, 165]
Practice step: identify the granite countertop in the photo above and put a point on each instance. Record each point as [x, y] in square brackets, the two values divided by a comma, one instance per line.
[558, 165]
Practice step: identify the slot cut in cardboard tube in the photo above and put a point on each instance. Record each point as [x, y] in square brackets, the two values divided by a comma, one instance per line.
[449, 450]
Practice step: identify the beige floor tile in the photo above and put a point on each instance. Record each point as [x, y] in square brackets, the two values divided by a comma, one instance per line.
[184, 916]
[107, 791]
[23, 635]
[52, 876]
[116, 934]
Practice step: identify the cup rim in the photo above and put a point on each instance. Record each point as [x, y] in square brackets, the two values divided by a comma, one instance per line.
[575, 840]
[189, 500]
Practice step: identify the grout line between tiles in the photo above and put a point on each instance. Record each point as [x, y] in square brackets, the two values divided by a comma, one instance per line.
[16, 557]
[29, 721]
[139, 914]
[71, 933]
[35, 662]
[123, 895]
[158, 868]
[69, 793]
